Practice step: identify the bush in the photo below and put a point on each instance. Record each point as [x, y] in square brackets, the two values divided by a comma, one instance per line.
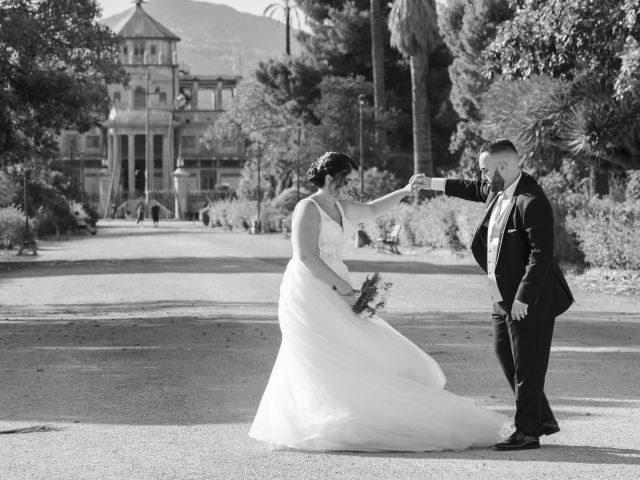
[564, 204]
[632, 191]
[441, 222]
[12, 226]
[288, 198]
[378, 183]
[48, 222]
[608, 233]
[8, 190]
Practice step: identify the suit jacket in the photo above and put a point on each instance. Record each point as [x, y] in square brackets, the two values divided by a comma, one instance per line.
[525, 269]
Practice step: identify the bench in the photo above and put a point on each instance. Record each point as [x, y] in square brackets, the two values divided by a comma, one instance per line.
[28, 242]
[389, 240]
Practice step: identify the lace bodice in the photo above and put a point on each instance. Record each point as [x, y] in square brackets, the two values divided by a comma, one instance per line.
[332, 240]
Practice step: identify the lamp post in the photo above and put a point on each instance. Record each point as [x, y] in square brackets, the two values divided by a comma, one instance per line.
[26, 215]
[298, 164]
[258, 226]
[361, 100]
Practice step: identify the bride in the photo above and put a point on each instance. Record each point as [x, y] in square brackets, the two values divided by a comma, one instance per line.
[341, 382]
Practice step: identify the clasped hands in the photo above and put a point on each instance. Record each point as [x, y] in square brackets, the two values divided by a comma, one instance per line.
[418, 182]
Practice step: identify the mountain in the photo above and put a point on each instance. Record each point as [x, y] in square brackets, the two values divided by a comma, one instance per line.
[216, 39]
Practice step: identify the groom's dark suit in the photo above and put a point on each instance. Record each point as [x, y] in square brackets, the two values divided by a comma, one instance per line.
[525, 270]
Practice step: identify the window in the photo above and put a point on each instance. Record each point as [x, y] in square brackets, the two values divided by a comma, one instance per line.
[138, 48]
[93, 141]
[189, 142]
[125, 50]
[116, 97]
[153, 49]
[140, 98]
[162, 97]
[207, 179]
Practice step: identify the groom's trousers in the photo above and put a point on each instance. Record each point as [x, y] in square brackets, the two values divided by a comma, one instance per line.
[524, 355]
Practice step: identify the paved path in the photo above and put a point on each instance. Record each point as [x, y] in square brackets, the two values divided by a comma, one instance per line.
[146, 352]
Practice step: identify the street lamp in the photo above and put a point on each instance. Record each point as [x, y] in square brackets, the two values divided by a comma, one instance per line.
[298, 163]
[361, 101]
[26, 215]
[258, 226]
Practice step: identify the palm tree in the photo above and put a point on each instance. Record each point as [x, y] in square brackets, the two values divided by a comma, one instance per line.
[286, 7]
[377, 60]
[414, 31]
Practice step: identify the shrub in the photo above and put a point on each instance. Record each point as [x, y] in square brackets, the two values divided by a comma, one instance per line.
[48, 222]
[8, 190]
[564, 203]
[288, 198]
[632, 191]
[441, 222]
[378, 183]
[12, 226]
[608, 233]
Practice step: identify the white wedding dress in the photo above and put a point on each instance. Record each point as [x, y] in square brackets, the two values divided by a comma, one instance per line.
[344, 383]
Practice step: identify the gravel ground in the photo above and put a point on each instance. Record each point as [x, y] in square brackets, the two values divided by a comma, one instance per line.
[144, 352]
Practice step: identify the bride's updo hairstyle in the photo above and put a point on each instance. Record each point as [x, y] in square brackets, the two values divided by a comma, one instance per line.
[338, 165]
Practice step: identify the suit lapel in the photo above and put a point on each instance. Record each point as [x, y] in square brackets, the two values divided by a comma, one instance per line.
[491, 200]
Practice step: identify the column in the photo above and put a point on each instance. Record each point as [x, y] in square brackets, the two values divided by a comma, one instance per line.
[181, 185]
[132, 163]
[104, 182]
[110, 155]
[151, 171]
[194, 96]
[218, 103]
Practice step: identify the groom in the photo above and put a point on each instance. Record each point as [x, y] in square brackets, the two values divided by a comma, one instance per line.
[513, 244]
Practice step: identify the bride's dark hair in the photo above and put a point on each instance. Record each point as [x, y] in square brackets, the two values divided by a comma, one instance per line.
[338, 165]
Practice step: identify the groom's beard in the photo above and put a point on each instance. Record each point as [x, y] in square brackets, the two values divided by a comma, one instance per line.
[497, 183]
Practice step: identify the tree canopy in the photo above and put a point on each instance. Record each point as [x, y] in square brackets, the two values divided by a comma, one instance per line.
[55, 62]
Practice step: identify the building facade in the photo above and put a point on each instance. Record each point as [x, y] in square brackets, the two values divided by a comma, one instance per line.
[155, 124]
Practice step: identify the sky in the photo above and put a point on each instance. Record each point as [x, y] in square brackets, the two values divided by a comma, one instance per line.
[256, 7]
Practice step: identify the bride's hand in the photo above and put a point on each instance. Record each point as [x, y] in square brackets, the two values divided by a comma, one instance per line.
[415, 183]
[418, 182]
[351, 297]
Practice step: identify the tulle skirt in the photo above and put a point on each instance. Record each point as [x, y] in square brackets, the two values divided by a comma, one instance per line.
[345, 383]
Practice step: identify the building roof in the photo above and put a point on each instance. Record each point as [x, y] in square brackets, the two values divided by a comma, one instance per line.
[140, 24]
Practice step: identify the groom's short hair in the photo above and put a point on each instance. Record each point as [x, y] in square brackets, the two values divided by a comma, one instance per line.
[498, 145]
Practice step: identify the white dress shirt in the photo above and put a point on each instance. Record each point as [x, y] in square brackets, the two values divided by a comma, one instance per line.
[503, 200]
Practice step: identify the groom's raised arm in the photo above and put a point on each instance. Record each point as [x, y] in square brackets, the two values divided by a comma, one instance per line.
[473, 190]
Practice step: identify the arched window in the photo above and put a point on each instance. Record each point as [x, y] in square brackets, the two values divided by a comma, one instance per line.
[140, 98]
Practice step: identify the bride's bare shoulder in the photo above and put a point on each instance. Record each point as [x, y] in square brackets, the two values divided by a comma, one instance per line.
[306, 210]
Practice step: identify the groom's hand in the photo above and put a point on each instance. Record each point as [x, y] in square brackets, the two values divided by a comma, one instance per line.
[519, 310]
[421, 182]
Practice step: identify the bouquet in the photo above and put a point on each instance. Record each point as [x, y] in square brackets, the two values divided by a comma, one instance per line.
[372, 297]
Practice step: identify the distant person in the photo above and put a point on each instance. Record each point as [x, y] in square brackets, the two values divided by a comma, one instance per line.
[155, 214]
[140, 214]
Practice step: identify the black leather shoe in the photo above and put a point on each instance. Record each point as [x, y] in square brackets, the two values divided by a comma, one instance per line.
[548, 428]
[518, 441]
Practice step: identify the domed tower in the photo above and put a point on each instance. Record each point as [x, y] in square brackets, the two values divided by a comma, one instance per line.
[141, 128]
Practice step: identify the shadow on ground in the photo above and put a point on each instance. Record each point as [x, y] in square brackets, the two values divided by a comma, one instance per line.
[212, 265]
[188, 371]
[548, 453]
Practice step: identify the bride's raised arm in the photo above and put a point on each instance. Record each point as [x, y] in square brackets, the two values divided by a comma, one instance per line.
[364, 212]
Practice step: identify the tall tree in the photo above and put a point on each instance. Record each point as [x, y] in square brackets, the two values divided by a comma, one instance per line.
[468, 27]
[286, 8]
[414, 31]
[55, 62]
[377, 60]
[590, 44]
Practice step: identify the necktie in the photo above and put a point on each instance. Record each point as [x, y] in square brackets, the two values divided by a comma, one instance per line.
[499, 217]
